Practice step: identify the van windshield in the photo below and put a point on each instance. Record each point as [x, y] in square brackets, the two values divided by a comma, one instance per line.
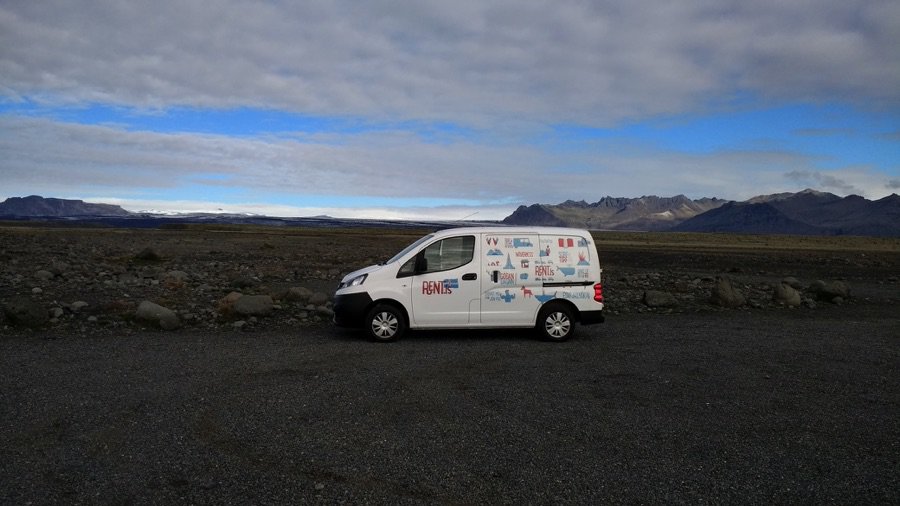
[408, 249]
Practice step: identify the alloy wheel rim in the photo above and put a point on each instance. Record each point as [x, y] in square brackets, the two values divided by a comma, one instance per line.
[557, 324]
[385, 325]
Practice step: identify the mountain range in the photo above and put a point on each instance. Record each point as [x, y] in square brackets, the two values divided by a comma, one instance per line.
[35, 205]
[808, 212]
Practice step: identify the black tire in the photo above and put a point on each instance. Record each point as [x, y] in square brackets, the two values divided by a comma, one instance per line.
[555, 322]
[385, 323]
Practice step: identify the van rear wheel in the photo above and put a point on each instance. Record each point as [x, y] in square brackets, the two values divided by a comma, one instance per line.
[555, 323]
[385, 323]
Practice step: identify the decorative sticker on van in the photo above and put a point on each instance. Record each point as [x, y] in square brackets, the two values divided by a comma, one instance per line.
[509, 265]
[518, 242]
[575, 295]
[498, 296]
[526, 293]
[494, 253]
[507, 278]
[582, 258]
[544, 272]
[444, 287]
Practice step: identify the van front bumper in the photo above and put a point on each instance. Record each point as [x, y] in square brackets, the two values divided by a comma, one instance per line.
[350, 309]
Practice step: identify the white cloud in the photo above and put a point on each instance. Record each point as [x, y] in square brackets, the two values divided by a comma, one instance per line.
[55, 159]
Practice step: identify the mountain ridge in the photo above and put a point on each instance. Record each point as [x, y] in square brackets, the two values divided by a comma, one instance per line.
[36, 206]
[807, 212]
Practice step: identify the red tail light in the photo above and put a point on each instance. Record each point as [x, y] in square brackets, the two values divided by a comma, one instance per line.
[598, 292]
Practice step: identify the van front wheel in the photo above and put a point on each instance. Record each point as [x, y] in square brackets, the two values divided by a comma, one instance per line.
[385, 323]
[555, 323]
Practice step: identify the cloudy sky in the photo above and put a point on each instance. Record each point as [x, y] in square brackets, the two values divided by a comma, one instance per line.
[444, 109]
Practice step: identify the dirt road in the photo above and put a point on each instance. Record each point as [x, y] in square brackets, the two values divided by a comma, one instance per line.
[740, 407]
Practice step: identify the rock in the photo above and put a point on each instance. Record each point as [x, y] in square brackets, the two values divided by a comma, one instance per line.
[226, 304]
[148, 255]
[78, 306]
[830, 291]
[725, 295]
[793, 282]
[318, 299]
[299, 294]
[154, 313]
[787, 295]
[657, 298]
[44, 275]
[37, 290]
[24, 312]
[254, 305]
[242, 282]
[59, 268]
[325, 312]
[174, 280]
[239, 324]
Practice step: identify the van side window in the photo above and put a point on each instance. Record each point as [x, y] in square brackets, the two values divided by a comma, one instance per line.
[449, 253]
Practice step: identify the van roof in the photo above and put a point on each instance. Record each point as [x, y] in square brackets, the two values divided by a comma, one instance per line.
[500, 229]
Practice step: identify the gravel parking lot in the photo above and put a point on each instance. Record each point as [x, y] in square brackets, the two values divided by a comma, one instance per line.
[746, 406]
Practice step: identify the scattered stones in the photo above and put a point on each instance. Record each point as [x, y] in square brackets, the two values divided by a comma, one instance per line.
[226, 304]
[725, 295]
[153, 313]
[25, 312]
[657, 298]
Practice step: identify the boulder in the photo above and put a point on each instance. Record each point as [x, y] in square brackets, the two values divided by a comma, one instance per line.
[226, 304]
[299, 294]
[148, 255]
[725, 295]
[152, 313]
[24, 312]
[830, 291]
[318, 299]
[44, 275]
[793, 282]
[785, 294]
[243, 282]
[254, 305]
[657, 298]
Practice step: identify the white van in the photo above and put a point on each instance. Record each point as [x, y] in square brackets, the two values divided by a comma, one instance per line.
[542, 277]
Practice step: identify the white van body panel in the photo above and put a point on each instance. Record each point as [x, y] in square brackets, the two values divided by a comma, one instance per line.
[482, 277]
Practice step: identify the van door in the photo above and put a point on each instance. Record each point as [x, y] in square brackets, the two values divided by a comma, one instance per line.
[508, 283]
[445, 286]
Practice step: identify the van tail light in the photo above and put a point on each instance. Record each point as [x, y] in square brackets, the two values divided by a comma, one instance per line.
[598, 292]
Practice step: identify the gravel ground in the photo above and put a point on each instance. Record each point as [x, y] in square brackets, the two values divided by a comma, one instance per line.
[738, 407]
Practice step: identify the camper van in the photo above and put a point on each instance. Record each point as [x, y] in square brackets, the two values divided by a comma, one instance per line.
[486, 277]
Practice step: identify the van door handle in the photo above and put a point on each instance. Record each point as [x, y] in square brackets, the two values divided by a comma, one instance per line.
[470, 276]
[495, 276]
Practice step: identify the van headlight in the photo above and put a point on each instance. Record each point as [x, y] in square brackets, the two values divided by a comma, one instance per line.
[358, 280]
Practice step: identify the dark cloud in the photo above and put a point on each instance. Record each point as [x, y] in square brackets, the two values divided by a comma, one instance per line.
[587, 62]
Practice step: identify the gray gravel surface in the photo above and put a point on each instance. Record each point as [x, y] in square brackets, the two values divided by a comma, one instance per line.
[744, 407]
